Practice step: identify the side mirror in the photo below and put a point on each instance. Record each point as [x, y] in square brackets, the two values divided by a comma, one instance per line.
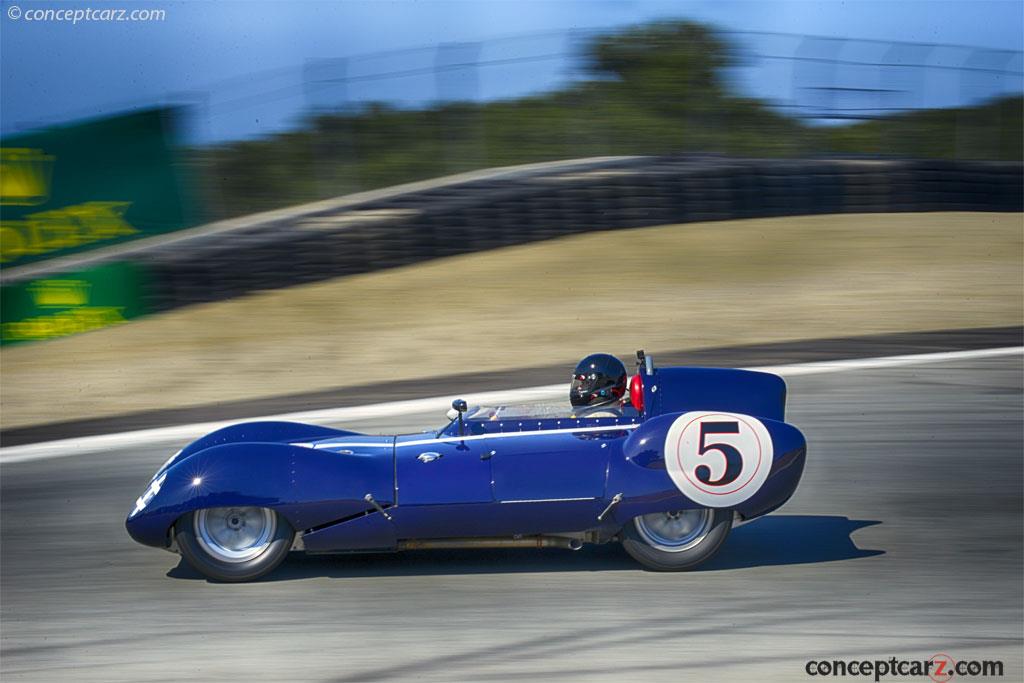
[459, 407]
[455, 413]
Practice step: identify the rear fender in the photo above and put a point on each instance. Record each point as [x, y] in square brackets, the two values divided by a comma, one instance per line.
[759, 475]
[308, 487]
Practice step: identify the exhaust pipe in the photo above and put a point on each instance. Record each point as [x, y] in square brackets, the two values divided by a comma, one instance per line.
[524, 542]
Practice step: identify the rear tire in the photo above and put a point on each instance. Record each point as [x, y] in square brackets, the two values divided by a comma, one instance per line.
[676, 541]
[233, 544]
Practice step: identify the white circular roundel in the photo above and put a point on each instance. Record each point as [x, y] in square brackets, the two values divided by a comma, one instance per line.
[718, 459]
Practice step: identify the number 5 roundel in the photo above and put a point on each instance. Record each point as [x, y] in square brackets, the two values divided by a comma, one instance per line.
[718, 459]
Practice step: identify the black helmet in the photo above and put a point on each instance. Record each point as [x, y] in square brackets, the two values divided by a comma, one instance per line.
[599, 379]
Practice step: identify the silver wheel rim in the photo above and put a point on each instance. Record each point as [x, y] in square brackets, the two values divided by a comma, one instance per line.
[674, 532]
[235, 534]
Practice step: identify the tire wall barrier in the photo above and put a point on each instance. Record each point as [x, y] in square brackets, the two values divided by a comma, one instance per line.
[480, 215]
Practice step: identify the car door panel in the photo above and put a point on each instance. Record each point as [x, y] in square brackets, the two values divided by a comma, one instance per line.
[437, 472]
[554, 466]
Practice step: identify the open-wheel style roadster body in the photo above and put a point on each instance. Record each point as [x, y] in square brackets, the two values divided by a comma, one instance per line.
[693, 450]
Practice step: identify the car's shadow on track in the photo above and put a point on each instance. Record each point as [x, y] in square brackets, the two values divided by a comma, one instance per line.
[791, 539]
[768, 541]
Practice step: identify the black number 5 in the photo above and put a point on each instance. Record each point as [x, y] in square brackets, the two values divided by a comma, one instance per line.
[733, 459]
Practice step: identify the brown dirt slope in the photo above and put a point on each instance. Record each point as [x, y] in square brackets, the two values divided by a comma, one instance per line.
[664, 288]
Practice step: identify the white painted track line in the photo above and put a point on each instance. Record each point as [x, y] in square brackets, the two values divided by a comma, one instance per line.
[822, 367]
[91, 444]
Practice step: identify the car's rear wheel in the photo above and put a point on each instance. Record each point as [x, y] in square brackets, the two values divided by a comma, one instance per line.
[678, 540]
[239, 543]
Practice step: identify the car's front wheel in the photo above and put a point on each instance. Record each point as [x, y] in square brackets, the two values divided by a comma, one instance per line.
[234, 543]
[678, 540]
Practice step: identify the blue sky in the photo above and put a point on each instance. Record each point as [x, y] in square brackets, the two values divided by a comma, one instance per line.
[244, 63]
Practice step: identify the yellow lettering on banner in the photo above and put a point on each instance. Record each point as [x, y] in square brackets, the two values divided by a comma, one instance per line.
[12, 244]
[64, 323]
[24, 176]
[69, 226]
[60, 293]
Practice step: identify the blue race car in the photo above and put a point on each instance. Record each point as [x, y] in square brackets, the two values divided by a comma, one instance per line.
[664, 462]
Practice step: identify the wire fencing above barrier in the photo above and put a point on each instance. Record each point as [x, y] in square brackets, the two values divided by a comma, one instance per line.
[822, 79]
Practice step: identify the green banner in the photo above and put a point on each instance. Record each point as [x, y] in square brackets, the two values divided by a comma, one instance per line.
[70, 303]
[77, 187]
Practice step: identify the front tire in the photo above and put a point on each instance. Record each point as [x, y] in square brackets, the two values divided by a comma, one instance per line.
[676, 541]
[234, 544]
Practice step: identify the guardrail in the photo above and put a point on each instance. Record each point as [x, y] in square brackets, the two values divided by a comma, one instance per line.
[390, 229]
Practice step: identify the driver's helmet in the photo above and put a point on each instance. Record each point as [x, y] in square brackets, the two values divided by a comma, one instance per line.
[598, 380]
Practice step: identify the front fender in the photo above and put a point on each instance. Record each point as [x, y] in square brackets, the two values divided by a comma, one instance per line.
[262, 432]
[642, 474]
[308, 487]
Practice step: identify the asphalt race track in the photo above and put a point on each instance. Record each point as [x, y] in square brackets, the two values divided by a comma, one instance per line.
[780, 353]
[904, 540]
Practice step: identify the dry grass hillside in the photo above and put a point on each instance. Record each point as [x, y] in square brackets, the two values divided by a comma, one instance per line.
[663, 288]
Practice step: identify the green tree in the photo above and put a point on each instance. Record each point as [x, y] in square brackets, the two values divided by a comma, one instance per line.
[672, 67]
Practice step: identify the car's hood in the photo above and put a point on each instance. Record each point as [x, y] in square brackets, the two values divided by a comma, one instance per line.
[309, 436]
[356, 444]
